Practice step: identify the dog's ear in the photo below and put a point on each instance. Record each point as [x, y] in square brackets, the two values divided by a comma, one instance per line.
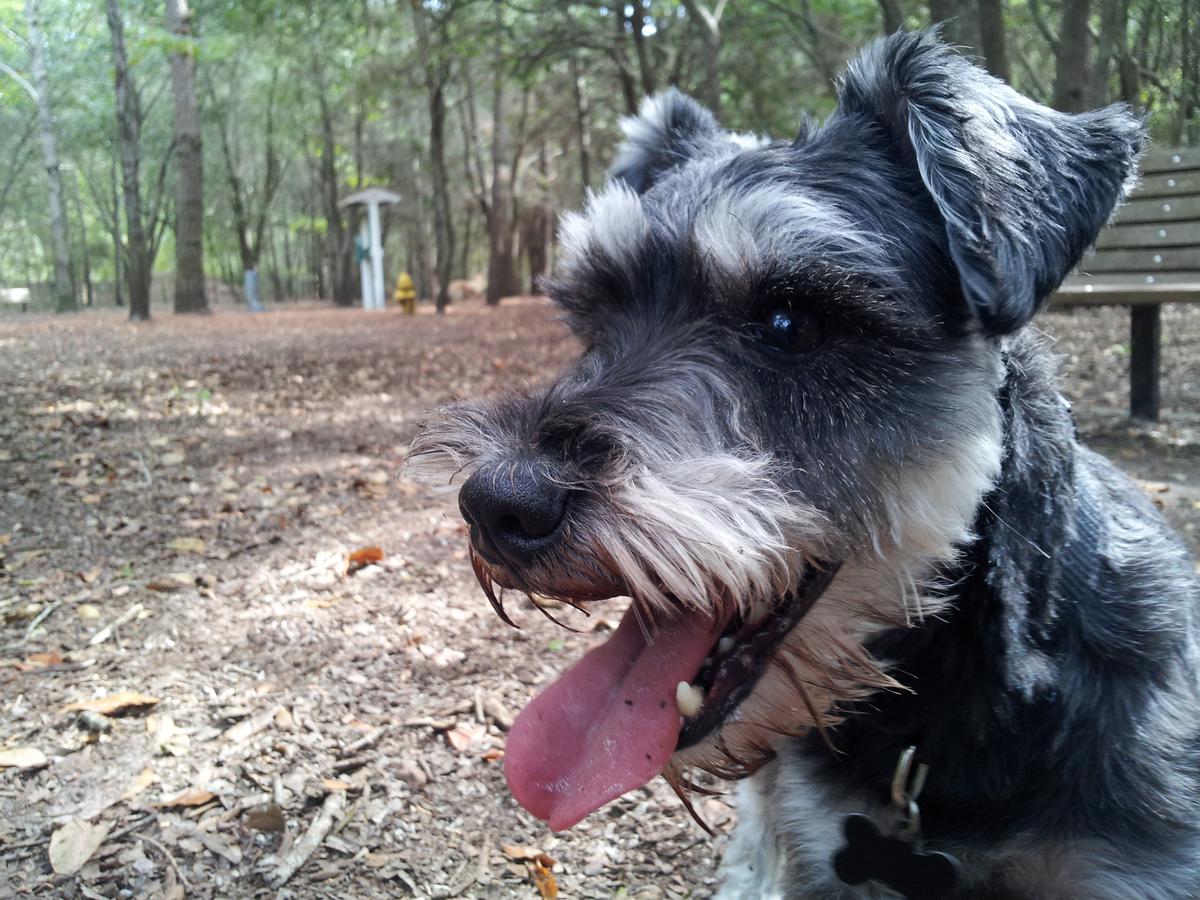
[669, 129]
[1023, 190]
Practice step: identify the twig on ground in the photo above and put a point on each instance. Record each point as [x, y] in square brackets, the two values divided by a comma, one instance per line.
[147, 478]
[40, 618]
[298, 855]
[107, 631]
[364, 742]
[171, 859]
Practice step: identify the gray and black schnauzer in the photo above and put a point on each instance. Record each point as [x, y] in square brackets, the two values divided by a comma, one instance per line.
[812, 436]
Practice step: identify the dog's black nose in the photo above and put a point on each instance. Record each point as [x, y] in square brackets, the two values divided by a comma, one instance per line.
[514, 513]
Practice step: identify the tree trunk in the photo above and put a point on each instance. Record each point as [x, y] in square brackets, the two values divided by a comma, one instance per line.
[535, 237]
[118, 279]
[437, 74]
[129, 120]
[338, 244]
[501, 273]
[443, 226]
[639, 11]
[64, 292]
[958, 20]
[583, 130]
[992, 41]
[1071, 66]
[189, 189]
[893, 16]
[710, 29]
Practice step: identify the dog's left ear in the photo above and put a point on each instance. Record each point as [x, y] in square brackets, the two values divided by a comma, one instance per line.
[669, 129]
[1023, 190]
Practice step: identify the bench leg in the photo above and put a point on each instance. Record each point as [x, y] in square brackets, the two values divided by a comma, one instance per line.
[1145, 334]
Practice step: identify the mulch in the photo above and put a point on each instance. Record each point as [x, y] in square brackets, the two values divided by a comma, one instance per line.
[242, 654]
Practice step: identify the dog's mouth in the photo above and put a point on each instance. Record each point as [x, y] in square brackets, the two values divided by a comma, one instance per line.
[612, 722]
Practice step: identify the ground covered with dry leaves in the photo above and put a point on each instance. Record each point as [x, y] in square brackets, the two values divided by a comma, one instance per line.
[242, 654]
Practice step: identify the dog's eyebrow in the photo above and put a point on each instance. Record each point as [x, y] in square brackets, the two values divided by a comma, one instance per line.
[612, 225]
[739, 234]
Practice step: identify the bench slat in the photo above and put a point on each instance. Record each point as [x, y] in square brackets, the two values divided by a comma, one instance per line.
[1171, 160]
[1169, 184]
[1133, 279]
[1075, 294]
[1162, 234]
[1165, 259]
[1168, 209]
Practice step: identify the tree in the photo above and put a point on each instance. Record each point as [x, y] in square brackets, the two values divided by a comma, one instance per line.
[143, 228]
[251, 205]
[1071, 64]
[64, 291]
[993, 43]
[190, 296]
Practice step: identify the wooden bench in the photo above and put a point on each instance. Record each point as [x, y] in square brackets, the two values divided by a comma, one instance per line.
[1149, 256]
[15, 296]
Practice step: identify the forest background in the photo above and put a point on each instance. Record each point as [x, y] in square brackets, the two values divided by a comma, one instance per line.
[155, 151]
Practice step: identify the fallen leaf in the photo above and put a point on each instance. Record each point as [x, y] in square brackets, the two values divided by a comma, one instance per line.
[525, 853]
[114, 704]
[543, 880]
[364, 556]
[144, 779]
[87, 612]
[90, 575]
[492, 755]
[73, 844]
[90, 499]
[40, 661]
[192, 796]
[463, 736]
[187, 545]
[268, 817]
[333, 785]
[172, 458]
[22, 758]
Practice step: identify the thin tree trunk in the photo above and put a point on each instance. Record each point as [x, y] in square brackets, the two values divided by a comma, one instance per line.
[583, 129]
[118, 254]
[189, 189]
[437, 74]
[893, 16]
[128, 132]
[338, 243]
[64, 292]
[639, 12]
[710, 22]
[1071, 67]
[501, 273]
[89, 291]
[993, 43]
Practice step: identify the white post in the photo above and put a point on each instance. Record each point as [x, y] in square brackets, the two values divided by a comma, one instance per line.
[376, 252]
[364, 267]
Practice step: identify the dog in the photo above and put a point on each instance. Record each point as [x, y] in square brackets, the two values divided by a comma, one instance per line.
[946, 650]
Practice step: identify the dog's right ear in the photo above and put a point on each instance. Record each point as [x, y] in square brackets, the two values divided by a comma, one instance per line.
[1022, 190]
[669, 129]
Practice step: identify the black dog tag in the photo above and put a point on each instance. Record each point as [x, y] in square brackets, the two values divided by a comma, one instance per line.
[870, 855]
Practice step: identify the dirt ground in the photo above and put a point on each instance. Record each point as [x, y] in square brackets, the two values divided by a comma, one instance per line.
[180, 505]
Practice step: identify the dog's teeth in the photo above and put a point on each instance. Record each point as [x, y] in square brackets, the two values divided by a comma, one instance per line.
[726, 644]
[688, 699]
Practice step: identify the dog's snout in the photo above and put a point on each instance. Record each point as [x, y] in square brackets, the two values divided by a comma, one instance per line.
[513, 514]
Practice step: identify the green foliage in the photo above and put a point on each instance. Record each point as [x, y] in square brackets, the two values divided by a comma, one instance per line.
[261, 59]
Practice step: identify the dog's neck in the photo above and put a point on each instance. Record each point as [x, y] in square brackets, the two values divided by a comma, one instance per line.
[984, 666]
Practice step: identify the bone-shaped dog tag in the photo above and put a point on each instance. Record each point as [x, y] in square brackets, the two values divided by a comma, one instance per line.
[870, 855]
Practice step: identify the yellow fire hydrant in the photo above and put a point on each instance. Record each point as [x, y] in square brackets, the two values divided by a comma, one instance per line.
[406, 294]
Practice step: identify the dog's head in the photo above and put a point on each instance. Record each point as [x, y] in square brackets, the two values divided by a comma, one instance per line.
[785, 415]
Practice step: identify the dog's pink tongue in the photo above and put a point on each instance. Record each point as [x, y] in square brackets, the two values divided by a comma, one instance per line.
[608, 724]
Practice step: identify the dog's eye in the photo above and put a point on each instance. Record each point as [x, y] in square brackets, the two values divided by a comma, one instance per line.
[791, 330]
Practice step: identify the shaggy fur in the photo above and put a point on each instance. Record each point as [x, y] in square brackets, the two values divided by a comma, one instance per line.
[1005, 601]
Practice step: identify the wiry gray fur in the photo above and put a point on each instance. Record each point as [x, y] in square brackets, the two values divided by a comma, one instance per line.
[1036, 610]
